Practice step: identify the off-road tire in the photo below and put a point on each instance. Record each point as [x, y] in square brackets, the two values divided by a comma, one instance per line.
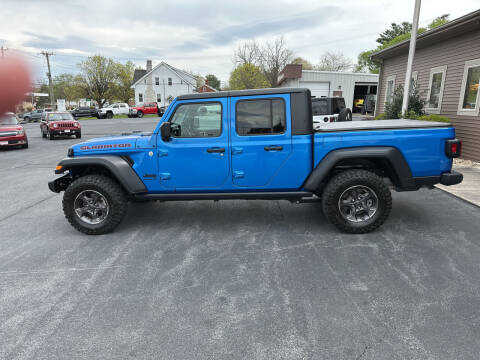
[114, 195]
[346, 179]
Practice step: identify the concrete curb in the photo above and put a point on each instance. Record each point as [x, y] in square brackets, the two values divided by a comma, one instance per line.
[458, 197]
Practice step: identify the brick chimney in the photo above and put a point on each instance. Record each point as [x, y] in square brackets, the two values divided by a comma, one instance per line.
[149, 65]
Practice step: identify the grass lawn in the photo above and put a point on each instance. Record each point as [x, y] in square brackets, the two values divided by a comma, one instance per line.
[118, 117]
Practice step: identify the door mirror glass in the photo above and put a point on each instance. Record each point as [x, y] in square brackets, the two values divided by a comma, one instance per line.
[165, 131]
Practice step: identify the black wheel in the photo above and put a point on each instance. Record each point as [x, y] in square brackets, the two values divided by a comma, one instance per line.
[78, 135]
[27, 119]
[43, 134]
[50, 136]
[94, 204]
[356, 201]
[109, 115]
[140, 114]
[345, 115]
[25, 146]
[364, 112]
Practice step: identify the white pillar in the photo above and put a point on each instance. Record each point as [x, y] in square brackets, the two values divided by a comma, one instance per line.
[411, 54]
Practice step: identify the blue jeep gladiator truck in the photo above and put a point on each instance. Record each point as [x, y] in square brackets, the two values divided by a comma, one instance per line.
[256, 144]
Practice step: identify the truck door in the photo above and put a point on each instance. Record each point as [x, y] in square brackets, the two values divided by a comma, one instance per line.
[260, 137]
[196, 157]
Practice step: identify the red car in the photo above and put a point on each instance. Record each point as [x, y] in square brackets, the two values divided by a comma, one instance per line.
[11, 132]
[146, 108]
[59, 123]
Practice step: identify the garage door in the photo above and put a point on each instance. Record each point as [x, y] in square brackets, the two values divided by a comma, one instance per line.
[317, 88]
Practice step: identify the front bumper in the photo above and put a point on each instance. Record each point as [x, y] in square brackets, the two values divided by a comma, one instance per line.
[60, 184]
[58, 132]
[13, 140]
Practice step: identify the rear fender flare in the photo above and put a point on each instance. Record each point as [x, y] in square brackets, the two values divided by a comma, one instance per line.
[403, 175]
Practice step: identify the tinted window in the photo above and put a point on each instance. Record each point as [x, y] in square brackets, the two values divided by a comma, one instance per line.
[123, 105]
[320, 107]
[338, 105]
[256, 117]
[197, 120]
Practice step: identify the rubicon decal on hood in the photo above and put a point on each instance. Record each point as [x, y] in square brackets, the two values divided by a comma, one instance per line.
[106, 146]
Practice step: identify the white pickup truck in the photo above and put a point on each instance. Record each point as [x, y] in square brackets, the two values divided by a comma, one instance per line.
[113, 109]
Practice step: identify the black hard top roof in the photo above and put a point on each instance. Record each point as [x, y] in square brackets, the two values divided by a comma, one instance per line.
[241, 93]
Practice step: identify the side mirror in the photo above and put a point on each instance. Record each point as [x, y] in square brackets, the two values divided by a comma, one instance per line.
[166, 131]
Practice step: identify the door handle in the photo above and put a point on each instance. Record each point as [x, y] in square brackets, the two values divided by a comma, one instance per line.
[273, 148]
[216, 150]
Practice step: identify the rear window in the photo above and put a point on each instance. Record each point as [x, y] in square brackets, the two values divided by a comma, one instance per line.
[60, 116]
[320, 107]
[257, 117]
[338, 105]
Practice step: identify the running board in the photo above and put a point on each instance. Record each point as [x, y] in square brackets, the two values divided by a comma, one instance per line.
[291, 196]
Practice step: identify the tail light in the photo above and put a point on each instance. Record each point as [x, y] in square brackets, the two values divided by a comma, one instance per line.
[332, 118]
[453, 148]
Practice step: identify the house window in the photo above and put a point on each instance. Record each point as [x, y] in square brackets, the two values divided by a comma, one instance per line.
[140, 97]
[390, 88]
[159, 98]
[468, 104]
[435, 89]
[170, 81]
[157, 81]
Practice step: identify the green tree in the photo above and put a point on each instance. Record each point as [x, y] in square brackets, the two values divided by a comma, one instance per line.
[365, 64]
[416, 104]
[68, 87]
[394, 31]
[306, 65]
[213, 81]
[123, 90]
[99, 78]
[247, 76]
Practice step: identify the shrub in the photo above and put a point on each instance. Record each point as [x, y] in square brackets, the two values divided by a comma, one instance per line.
[416, 104]
[433, 117]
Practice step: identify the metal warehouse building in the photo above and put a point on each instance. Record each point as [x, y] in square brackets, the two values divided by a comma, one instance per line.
[325, 83]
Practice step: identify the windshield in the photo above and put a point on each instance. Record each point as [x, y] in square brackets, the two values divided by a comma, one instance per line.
[60, 116]
[8, 120]
[320, 107]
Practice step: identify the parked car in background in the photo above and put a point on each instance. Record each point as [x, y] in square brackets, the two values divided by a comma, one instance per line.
[329, 109]
[161, 110]
[33, 116]
[114, 109]
[59, 123]
[11, 132]
[144, 109]
[84, 111]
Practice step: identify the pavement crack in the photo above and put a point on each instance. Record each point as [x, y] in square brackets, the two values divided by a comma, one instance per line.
[27, 207]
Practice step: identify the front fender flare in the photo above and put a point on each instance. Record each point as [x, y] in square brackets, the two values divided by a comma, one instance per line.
[117, 166]
[392, 155]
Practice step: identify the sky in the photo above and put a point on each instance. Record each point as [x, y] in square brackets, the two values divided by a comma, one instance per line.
[199, 36]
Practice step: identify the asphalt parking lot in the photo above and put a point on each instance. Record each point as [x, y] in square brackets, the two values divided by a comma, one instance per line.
[230, 279]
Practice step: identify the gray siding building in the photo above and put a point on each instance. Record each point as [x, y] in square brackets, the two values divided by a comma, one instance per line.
[446, 69]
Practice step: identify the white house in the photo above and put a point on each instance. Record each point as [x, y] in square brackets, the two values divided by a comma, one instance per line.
[161, 84]
[326, 83]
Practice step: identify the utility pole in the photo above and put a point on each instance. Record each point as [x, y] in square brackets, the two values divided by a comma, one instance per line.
[49, 75]
[3, 49]
[411, 54]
